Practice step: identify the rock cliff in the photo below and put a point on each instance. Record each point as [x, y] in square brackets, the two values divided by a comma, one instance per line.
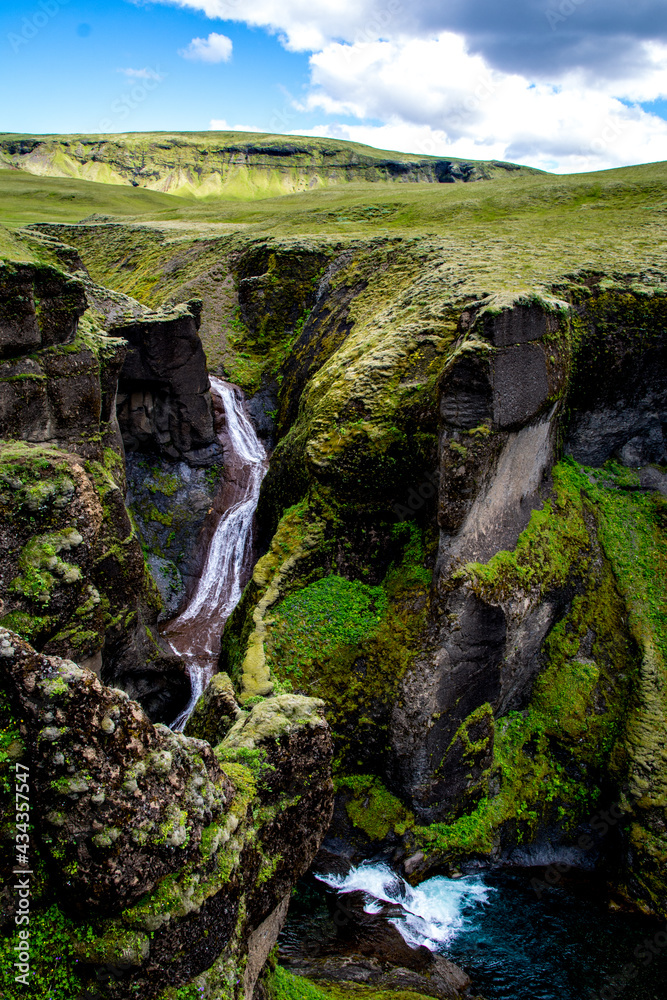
[74, 580]
[229, 163]
[463, 536]
[462, 555]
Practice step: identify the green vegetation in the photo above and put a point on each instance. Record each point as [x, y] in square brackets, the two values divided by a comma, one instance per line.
[41, 565]
[555, 540]
[328, 613]
[52, 958]
[372, 808]
[550, 758]
[206, 165]
[27, 199]
[343, 640]
[284, 985]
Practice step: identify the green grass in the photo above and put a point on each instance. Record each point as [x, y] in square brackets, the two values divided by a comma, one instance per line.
[284, 985]
[519, 233]
[26, 199]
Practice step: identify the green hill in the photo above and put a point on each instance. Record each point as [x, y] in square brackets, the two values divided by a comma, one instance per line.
[231, 164]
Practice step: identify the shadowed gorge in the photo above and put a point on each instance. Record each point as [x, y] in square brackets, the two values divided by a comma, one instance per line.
[387, 466]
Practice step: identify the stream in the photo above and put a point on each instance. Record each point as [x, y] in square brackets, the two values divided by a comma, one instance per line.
[195, 633]
[565, 944]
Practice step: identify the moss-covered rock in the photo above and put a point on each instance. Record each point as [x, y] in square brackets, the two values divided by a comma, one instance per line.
[171, 862]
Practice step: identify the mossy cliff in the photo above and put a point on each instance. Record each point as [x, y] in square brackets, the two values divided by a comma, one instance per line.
[430, 564]
[459, 597]
[434, 567]
[229, 164]
[74, 580]
[161, 866]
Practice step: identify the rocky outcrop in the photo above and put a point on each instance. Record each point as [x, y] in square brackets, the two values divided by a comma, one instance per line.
[73, 578]
[164, 402]
[171, 861]
[37, 308]
[488, 700]
[216, 711]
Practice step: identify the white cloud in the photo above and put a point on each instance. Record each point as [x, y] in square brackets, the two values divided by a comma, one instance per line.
[304, 25]
[214, 49]
[434, 97]
[142, 74]
[473, 79]
[220, 125]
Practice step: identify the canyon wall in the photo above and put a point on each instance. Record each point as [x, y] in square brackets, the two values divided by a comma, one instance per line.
[158, 862]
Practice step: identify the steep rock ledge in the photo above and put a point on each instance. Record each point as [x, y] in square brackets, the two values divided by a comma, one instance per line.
[502, 702]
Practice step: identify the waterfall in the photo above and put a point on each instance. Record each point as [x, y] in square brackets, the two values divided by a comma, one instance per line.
[431, 914]
[195, 633]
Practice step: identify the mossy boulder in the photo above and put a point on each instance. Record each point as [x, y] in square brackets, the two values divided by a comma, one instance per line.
[172, 862]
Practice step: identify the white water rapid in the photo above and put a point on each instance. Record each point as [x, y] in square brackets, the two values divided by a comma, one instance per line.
[195, 633]
[431, 914]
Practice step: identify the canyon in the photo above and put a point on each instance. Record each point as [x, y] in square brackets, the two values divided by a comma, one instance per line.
[445, 643]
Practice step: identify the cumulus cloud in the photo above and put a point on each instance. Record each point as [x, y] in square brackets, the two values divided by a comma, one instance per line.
[552, 83]
[214, 49]
[438, 98]
[220, 125]
[537, 37]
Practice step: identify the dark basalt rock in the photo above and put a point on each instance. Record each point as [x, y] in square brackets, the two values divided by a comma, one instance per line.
[353, 946]
[58, 415]
[216, 711]
[164, 404]
[38, 308]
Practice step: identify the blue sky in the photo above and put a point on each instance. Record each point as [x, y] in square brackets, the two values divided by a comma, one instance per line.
[66, 78]
[560, 84]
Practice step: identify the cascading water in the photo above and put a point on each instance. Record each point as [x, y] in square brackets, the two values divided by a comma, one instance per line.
[431, 914]
[518, 937]
[195, 633]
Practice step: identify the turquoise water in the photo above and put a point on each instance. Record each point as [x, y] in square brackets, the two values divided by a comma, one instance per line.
[561, 944]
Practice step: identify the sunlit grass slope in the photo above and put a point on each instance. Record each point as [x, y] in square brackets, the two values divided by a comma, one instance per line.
[25, 199]
[232, 164]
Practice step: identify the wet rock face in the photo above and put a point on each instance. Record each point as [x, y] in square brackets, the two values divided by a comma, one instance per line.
[73, 576]
[353, 946]
[164, 403]
[57, 376]
[183, 855]
[170, 502]
[624, 414]
[216, 711]
[72, 573]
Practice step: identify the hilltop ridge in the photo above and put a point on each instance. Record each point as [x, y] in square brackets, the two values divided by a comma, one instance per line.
[236, 164]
